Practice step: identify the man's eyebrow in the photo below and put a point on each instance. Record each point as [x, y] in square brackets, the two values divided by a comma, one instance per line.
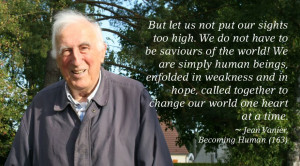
[62, 48]
[85, 43]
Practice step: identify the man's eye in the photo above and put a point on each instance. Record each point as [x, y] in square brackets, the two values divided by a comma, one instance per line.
[66, 52]
[84, 49]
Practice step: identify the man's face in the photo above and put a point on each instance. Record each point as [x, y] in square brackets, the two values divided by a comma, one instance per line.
[80, 56]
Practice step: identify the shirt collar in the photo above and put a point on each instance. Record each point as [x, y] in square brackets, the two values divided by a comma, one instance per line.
[61, 100]
[89, 98]
[100, 97]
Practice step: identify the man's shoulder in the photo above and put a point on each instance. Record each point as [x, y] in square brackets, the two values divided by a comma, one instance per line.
[123, 81]
[131, 90]
[51, 89]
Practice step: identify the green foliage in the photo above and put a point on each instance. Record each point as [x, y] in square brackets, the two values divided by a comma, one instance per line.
[13, 96]
[25, 40]
[12, 101]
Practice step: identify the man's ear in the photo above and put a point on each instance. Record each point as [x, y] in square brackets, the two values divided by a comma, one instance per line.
[57, 65]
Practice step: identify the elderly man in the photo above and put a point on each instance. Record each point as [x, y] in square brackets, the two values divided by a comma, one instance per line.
[92, 117]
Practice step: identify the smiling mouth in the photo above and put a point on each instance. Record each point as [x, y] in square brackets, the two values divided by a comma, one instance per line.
[78, 71]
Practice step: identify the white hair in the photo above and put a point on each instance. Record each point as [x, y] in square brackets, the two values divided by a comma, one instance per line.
[67, 17]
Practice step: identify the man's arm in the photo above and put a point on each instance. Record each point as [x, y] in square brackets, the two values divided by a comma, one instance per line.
[152, 149]
[20, 153]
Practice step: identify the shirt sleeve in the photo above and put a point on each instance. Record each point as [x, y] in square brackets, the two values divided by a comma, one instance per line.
[20, 152]
[152, 149]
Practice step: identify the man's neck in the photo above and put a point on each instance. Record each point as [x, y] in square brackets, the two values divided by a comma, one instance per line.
[86, 94]
[80, 96]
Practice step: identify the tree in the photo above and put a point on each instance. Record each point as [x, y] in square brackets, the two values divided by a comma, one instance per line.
[217, 122]
[25, 31]
[13, 94]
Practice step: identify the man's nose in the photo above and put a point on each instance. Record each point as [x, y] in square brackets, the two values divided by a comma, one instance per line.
[77, 57]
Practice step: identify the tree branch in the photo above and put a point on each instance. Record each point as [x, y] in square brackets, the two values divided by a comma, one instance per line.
[109, 4]
[125, 67]
[116, 15]
[122, 36]
[105, 17]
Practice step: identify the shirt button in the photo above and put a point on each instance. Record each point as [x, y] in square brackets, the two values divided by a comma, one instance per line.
[94, 111]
